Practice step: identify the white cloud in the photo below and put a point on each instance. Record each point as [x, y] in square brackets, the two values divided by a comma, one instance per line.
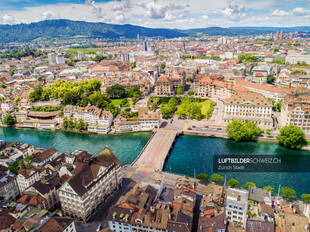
[278, 12]
[298, 11]
[7, 19]
[48, 15]
[165, 13]
[234, 11]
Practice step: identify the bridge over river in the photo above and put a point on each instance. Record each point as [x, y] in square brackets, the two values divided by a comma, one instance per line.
[154, 154]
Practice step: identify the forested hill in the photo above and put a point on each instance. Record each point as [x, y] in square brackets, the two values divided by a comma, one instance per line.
[63, 29]
[67, 29]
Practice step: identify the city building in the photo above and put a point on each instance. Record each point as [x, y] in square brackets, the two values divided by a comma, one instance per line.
[236, 208]
[58, 224]
[149, 120]
[296, 111]
[95, 178]
[151, 208]
[28, 176]
[168, 84]
[249, 106]
[98, 120]
[8, 185]
[268, 91]
[163, 87]
[212, 87]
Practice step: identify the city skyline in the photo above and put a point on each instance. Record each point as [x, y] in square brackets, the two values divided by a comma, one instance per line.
[181, 14]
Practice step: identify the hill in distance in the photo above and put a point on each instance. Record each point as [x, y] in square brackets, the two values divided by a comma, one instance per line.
[62, 29]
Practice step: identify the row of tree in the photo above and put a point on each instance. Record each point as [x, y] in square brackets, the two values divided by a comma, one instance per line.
[284, 191]
[84, 93]
[80, 125]
[290, 136]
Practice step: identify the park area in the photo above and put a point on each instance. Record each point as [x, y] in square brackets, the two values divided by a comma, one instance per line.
[122, 102]
[186, 107]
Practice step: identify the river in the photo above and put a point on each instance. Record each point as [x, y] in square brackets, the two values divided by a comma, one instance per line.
[188, 154]
[195, 152]
[125, 146]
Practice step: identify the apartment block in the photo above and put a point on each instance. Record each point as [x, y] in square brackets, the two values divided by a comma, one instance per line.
[94, 179]
[249, 106]
[296, 111]
[237, 206]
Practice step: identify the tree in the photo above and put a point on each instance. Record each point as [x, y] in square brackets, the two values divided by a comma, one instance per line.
[288, 192]
[276, 50]
[269, 189]
[98, 99]
[268, 132]
[134, 64]
[233, 183]
[202, 176]
[9, 120]
[291, 137]
[70, 62]
[153, 103]
[271, 79]
[68, 98]
[162, 66]
[191, 92]
[179, 90]
[14, 167]
[299, 71]
[36, 93]
[217, 178]
[249, 185]
[242, 131]
[16, 101]
[116, 91]
[305, 197]
[81, 125]
[99, 58]
[27, 161]
[247, 58]
[134, 92]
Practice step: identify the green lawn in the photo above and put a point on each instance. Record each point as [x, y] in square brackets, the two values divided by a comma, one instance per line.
[91, 51]
[117, 102]
[207, 108]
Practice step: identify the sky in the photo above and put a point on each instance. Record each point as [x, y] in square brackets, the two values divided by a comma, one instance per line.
[182, 14]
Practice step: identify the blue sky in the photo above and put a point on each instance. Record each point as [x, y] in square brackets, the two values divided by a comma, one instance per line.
[162, 13]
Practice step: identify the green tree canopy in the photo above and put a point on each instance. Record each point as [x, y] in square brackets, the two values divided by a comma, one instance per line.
[291, 137]
[168, 110]
[217, 178]
[288, 192]
[191, 92]
[134, 64]
[14, 167]
[268, 132]
[35, 95]
[271, 79]
[249, 185]
[116, 91]
[233, 183]
[247, 58]
[180, 90]
[242, 131]
[202, 176]
[9, 120]
[269, 189]
[134, 92]
[305, 197]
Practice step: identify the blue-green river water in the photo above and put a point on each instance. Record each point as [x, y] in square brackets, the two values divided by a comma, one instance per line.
[190, 154]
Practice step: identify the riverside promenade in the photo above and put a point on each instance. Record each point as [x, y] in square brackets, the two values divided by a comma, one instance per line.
[154, 155]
